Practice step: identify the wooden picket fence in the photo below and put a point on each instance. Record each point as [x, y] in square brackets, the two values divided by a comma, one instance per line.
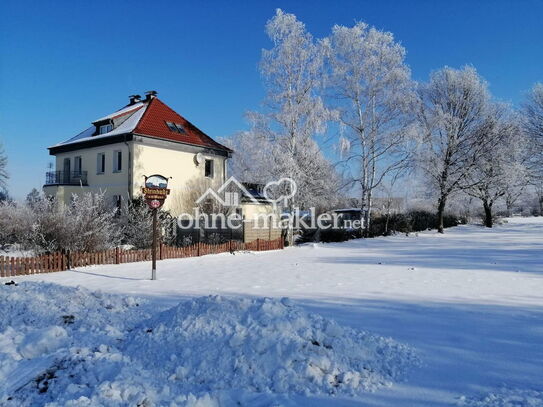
[21, 266]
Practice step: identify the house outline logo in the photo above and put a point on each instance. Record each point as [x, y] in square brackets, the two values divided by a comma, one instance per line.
[234, 198]
[230, 198]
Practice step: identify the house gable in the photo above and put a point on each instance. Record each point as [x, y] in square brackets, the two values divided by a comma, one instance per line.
[149, 118]
[154, 124]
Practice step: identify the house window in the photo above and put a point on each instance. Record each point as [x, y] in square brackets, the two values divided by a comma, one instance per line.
[180, 128]
[106, 128]
[117, 161]
[100, 163]
[77, 165]
[171, 126]
[209, 169]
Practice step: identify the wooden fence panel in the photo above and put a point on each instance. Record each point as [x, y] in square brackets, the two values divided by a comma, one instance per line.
[47, 263]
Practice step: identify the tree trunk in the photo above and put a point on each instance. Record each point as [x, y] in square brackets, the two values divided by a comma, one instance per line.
[367, 221]
[488, 213]
[368, 215]
[440, 211]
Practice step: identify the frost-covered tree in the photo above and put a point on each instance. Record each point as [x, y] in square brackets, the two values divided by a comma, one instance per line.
[533, 125]
[532, 110]
[294, 113]
[252, 160]
[453, 117]
[371, 89]
[499, 170]
[33, 197]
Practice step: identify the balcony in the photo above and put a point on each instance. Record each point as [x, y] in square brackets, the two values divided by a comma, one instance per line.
[66, 178]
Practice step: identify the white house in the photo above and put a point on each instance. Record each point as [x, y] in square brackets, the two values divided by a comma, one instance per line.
[143, 138]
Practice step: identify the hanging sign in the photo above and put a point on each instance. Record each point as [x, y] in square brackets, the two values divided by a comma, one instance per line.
[155, 190]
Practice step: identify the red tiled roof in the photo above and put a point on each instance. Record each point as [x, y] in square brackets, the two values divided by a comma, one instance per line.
[153, 123]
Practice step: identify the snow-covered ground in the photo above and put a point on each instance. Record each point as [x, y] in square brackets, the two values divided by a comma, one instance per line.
[469, 302]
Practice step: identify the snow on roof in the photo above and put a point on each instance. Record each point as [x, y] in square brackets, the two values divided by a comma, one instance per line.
[126, 127]
[149, 118]
[122, 112]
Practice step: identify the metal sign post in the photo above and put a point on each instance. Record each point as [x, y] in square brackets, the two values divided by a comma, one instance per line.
[155, 192]
[153, 267]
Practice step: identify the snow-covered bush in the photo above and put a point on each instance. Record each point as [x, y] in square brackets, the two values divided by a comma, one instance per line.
[87, 224]
[15, 224]
[46, 225]
[136, 224]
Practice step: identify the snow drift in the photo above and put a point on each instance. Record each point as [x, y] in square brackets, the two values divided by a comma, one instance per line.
[70, 346]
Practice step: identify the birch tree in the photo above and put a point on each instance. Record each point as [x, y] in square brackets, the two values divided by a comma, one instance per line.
[372, 91]
[532, 110]
[294, 112]
[533, 125]
[3, 168]
[452, 115]
[499, 170]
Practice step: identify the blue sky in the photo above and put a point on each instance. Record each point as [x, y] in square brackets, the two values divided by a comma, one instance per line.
[64, 64]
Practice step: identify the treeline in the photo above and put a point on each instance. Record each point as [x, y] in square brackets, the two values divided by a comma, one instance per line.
[343, 115]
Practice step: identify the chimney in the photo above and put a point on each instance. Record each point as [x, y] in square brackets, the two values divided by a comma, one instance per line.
[134, 99]
[150, 94]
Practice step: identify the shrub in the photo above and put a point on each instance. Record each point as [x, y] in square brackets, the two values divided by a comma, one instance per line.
[136, 223]
[87, 224]
[411, 221]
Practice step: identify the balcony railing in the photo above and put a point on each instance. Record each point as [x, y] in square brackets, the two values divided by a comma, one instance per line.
[66, 178]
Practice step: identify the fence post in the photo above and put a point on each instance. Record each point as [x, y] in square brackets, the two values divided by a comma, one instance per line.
[117, 256]
[198, 249]
[2, 268]
[160, 251]
[257, 244]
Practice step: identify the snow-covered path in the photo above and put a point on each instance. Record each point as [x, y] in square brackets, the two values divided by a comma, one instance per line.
[470, 301]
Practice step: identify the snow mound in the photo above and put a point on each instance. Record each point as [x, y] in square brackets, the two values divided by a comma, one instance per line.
[62, 346]
[43, 325]
[264, 345]
[506, 397]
